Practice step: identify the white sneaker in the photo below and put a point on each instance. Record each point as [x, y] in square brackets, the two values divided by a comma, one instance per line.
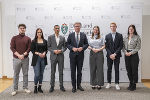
[117, 87]
[27, 90]
[14, 93]
[108, 86]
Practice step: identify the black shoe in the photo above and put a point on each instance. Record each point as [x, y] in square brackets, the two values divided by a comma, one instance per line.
[99, 87]
[133, 87]
[62, 88]
[39, 89]
[51, 89]
[130, 85]
[35, 89]
[80, 88]
[93, 87]
[74, 90]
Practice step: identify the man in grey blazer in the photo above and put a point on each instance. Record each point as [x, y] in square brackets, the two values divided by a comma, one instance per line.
[56, 46]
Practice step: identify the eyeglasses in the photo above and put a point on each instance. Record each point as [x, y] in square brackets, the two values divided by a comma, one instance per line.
[76, 26]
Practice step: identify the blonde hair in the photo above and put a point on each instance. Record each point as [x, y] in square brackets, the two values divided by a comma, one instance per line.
[113, 23]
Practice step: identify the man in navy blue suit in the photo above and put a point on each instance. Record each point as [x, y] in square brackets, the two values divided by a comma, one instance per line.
[114, 45]
[77, 43]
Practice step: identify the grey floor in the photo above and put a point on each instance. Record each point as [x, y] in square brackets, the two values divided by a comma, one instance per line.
[142, 93]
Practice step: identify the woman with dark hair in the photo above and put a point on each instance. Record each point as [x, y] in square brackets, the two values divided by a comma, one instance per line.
[132, 44]
[39, 59]
[96, 59]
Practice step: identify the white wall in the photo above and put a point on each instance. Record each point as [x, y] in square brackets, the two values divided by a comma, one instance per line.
[0, 45]
[145, 60]
[8, 26]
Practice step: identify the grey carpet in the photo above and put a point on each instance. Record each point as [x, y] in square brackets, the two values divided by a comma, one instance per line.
[142, 93]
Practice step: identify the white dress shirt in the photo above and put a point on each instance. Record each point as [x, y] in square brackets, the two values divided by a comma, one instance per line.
[113, 35]
[57, 39]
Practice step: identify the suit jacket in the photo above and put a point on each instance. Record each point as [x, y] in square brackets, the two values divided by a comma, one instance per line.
[114, 46]
[33, 49]
[52, 45]
[135, 44]
[71, 42]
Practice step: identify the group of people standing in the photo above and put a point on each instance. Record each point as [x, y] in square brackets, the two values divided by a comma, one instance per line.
[77, 42]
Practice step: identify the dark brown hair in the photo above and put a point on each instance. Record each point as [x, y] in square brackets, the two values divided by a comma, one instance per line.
[56, 25]
[35, 38]
[133, 26]
[98, 35]
[23, 25]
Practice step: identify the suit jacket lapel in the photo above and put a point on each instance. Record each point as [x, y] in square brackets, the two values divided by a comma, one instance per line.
[80, 38]
[111, 37]
[60, 39]
[54, 39]
[74, 38]
[116, 36]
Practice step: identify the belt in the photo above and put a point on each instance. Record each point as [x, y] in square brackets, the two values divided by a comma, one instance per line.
[129, 50]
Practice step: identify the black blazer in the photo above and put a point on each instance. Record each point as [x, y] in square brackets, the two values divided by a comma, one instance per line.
[71, 42]
[34, 49]
[114, 46]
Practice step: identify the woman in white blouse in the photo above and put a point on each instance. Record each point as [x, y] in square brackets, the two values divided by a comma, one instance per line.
[96, 59]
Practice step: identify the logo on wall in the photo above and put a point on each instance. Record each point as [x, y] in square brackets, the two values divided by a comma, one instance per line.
[64, 28]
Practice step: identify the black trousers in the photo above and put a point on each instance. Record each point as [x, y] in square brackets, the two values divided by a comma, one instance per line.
[132, 63]
[76, 63]
[116, 67]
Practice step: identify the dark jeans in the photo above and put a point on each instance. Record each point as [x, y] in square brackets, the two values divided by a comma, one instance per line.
[132, 63]
[39, 70]
[116, 67]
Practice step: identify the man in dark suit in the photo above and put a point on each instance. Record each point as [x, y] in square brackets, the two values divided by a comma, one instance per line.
[114, 45]
[57, 47]
[77, 42]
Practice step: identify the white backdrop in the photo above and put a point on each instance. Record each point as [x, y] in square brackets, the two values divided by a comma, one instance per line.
[89, 14]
